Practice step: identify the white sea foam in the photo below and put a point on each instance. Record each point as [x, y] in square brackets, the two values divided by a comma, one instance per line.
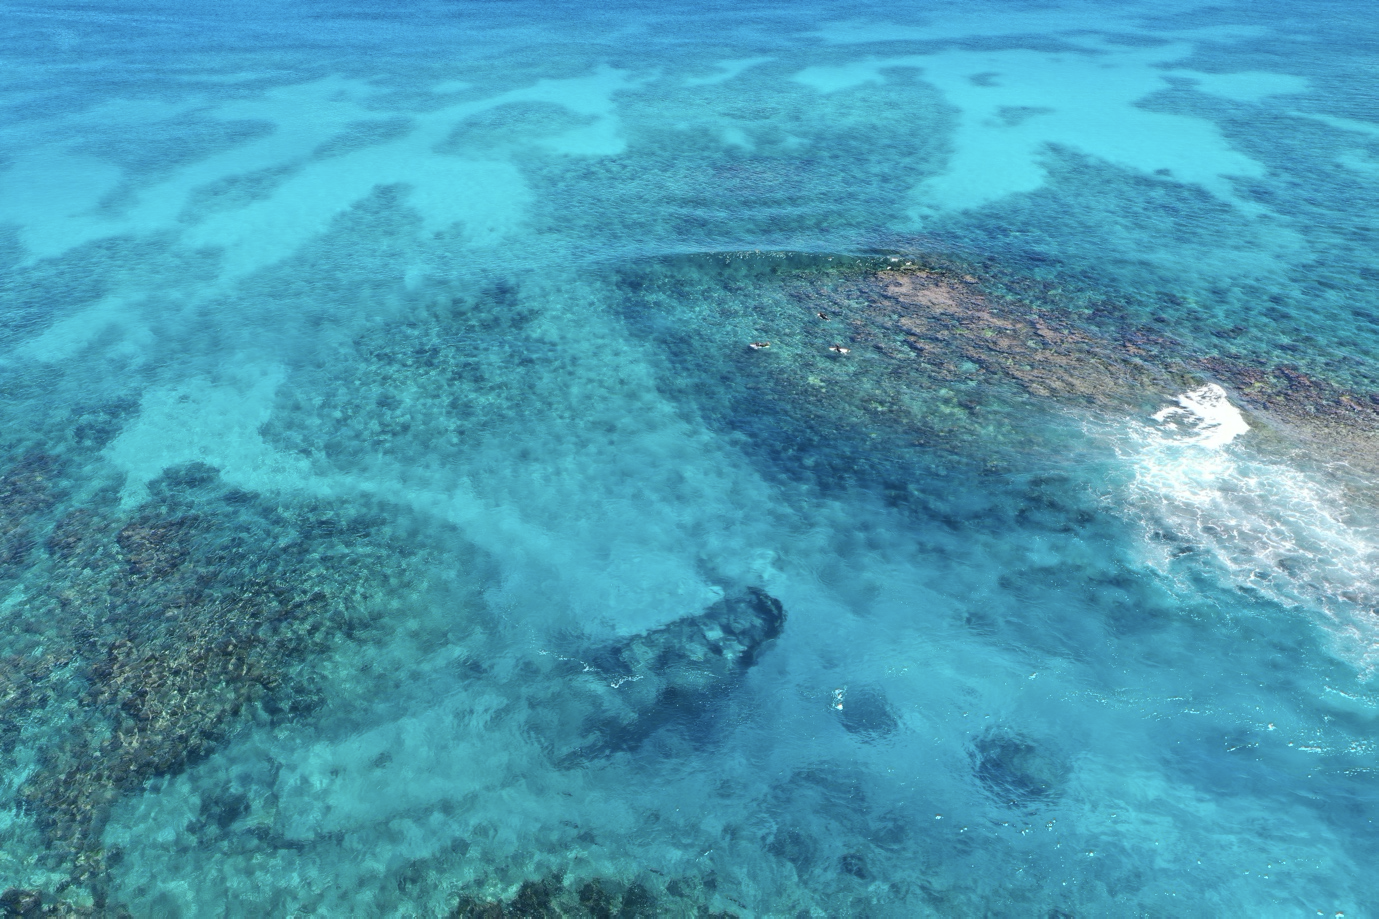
[1208, 415]
[1265, 525]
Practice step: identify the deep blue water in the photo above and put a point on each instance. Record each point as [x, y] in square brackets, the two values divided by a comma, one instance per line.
[393, 513]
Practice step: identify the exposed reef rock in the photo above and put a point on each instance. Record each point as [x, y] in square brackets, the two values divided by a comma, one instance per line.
[676, 677]
[951, 325]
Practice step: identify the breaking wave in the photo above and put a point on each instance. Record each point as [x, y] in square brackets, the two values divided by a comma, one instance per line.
[1266, 526]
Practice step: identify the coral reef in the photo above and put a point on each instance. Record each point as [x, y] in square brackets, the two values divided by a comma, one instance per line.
[22, 903]
[141, 640]
[420, 388]
[27, 490]
[551, 897]
[957, 325]
[941, 352]
[151, 636]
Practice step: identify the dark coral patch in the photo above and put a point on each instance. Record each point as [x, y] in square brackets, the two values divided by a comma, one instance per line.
[28, 490]
[552, 897]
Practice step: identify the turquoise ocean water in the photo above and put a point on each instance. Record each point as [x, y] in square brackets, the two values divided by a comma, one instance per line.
[396, 520]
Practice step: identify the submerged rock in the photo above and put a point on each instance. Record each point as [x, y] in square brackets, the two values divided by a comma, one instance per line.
[1015, 771]
[866, 714]
[21, 903]
[854, 865]
[676, 677]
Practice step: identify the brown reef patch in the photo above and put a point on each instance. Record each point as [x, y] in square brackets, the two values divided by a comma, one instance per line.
[950, 321]
[957, 328]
